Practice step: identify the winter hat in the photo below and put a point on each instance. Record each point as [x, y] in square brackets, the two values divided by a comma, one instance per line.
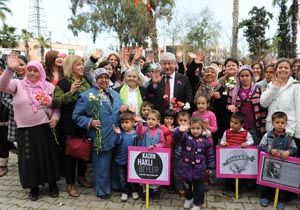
[100, 71]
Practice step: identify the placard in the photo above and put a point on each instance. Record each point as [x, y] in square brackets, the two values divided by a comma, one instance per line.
[149, 166]
[278, 173]
[236, 162]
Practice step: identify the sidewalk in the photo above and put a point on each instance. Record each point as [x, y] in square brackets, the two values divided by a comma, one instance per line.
[13, 197]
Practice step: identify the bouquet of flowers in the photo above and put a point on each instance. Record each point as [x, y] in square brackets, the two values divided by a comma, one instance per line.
[231, 82]
[179, 106]
[96, 101]
[44, 100]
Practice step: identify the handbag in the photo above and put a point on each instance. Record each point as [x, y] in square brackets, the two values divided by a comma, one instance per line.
[79, 148]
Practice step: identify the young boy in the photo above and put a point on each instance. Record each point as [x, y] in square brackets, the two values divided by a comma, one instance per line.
[236, 135]
[183, 118]
[278, 143]
[146, 107]
[125, 138]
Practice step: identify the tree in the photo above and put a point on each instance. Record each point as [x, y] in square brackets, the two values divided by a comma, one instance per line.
[255, 31]
[8, 38]
[294, 9]
[4, 9]
[43, 44]
[122, 17]
[284, 43]
[202, 31]
[26, 36]
[235, 28]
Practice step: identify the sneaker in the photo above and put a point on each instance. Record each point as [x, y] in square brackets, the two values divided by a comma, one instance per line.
[264, 202]
[196, 207]
[280, 206]
[156, 195]
[188, 203]
[135, 196]
[124, 197]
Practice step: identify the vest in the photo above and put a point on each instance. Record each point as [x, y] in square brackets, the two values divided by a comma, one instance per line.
[234, 138]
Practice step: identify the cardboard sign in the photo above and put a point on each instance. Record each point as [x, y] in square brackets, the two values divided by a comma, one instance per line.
[236, 162]
[149, 166]
[278, 173]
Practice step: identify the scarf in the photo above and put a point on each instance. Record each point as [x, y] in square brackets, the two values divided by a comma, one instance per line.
[124, 96]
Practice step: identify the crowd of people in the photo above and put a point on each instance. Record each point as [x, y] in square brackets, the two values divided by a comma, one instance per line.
[187, 107]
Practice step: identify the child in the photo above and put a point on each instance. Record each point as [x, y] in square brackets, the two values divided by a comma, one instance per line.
[234, 136]
[278, 143]
[125, 138]
[197, 160]
[151, 137]
[183, 118]
[146, 107]
[208, 117]
[168, 126]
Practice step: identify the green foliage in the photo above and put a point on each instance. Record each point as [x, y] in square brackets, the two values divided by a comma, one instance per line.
[8, 38]
[203, 31]
[284, 31]
[4, 10]
[255, 29]
[43, 44]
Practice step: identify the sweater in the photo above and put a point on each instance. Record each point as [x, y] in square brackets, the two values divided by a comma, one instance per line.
[123, 141]
[149, 137]
[24, 115]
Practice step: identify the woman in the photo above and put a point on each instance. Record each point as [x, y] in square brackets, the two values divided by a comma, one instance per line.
[258, 71]
[66, 94]
[244, 98]
[54, 66]
[37, 146]
[131, 92]
[85, 115]
[110, 70]
[269, 76]
[114, 58]
[283, 94]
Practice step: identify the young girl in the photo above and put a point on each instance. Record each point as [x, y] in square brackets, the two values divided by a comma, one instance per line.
[197, 160]
[168, 126]
[208, 117]
[245, 98]
[151, 137]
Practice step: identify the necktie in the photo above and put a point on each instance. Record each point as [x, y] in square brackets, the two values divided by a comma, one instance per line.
[167, 90]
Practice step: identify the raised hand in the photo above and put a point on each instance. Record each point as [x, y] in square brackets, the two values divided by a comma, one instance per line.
[191, 55]
[75, 85]
[199, 58]
[138, 54]
[98, 54]
[12, 62]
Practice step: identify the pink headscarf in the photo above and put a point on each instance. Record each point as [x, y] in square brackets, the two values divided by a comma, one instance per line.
[34, 88]
[237, 87]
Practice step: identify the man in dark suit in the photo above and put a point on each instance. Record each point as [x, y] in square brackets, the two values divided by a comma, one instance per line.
[161, 89]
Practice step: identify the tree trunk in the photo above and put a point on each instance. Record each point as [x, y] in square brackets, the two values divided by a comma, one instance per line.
[27, 48]
[153, 36]
[294, 13]
[235, 30]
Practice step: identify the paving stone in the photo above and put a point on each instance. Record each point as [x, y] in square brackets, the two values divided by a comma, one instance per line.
[220, 205]
[253, 206]
[233, 206]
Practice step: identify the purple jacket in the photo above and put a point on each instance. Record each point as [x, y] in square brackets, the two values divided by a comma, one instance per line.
[197, 156]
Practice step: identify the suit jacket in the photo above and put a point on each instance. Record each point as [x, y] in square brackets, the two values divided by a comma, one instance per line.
[182, 92]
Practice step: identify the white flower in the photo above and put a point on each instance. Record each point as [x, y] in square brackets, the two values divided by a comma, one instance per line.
[91, 97]
[187, 106]
[289, 132]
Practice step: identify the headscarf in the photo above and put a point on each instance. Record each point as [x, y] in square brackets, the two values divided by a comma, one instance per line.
[34, 88]
[237, 87]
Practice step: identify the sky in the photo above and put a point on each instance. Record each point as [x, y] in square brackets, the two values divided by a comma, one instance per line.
[57, 13]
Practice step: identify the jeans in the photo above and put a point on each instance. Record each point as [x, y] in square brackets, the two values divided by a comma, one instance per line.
[126, 187]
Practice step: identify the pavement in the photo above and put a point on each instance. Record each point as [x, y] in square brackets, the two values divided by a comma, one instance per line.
[14, 197]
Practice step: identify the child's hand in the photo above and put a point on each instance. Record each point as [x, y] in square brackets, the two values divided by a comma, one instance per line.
[205, 125]
[117, 130]
[244, 145]
[209, 171]
[285, 154]
[232, 108]
[275, 152]
[151, 147]
[139, 120]
[224, 144]
[183, 128]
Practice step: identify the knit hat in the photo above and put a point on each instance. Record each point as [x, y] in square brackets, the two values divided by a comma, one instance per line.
[155, 66]
[167, 56]
[245, 67]
[100, 71]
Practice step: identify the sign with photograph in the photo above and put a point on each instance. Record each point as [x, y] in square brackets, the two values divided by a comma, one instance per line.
[236, 162]
[278, 173]
[149, 166]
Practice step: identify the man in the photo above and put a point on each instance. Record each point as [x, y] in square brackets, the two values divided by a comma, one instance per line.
[274, 170]
[162, 89]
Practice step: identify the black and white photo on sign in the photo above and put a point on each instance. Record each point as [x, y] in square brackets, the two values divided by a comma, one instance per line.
[281, 172]
[238, 161]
